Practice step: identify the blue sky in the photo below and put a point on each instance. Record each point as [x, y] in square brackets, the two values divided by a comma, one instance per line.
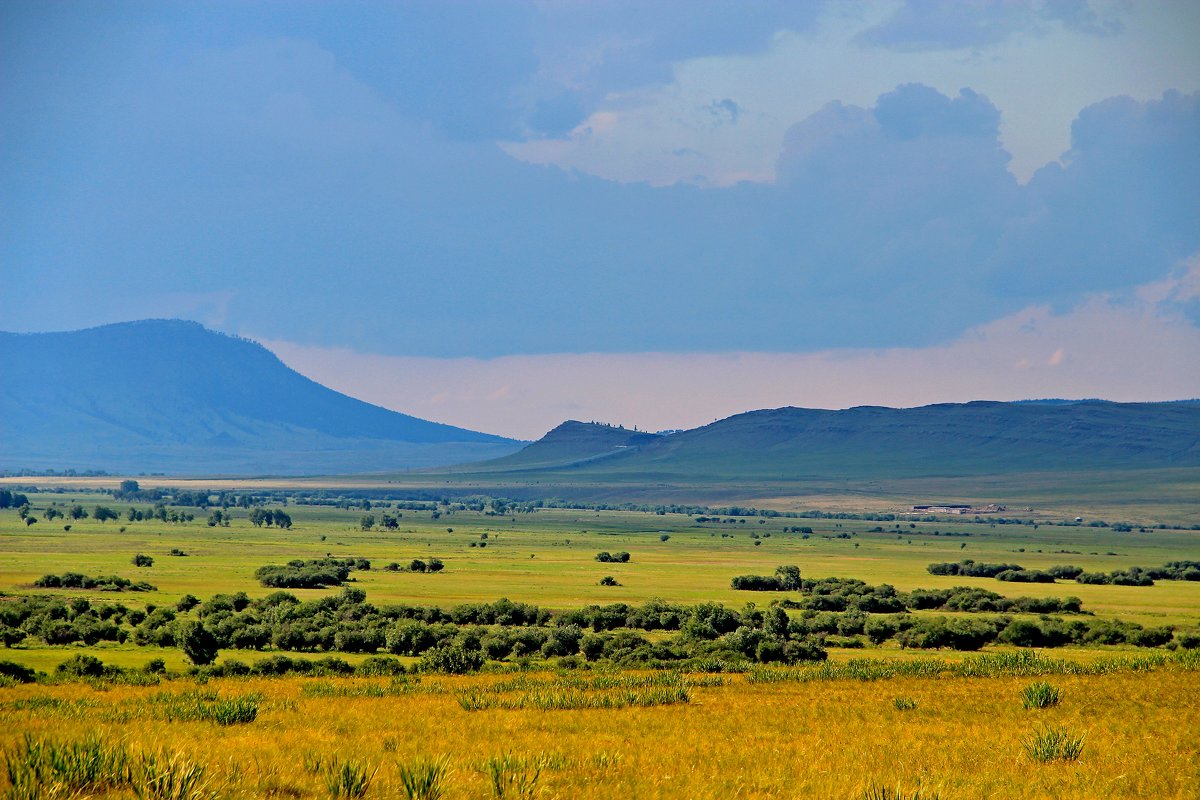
[478, 191]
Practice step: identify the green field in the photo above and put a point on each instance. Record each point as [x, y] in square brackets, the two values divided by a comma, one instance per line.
[934, 724]
[547, 557]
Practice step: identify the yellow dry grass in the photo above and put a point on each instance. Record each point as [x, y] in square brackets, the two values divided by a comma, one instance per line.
[821, 739]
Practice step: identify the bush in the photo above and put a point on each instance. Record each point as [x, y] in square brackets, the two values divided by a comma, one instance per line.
[380, 665]
[612, 558]
[971, 569]
[187, 603]
[141, 560]
[956, 634]
[17, 672]
[609, 580]
[1025, 576]
[453, 659]
[313, 574]
[81, 666]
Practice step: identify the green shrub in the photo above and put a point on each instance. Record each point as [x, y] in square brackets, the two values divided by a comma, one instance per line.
[80, 666]
[380, 665]
[453, 659]
[1040, 695]
[17, 672]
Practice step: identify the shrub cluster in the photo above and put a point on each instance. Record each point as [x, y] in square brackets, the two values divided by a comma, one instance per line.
[347, 623]
[969, 568]
[785, 579]
[851, 594]
[312, 574]
[612, 558]
[1132, 576]
[102, 583]
[65, 622]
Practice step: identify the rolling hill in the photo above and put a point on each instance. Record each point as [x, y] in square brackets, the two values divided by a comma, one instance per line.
[172, 396]
[950, 439]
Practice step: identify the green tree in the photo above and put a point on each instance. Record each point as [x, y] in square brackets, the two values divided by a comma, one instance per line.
[197, 643]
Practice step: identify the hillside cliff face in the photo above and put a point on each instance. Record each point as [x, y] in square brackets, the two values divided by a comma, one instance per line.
[172, 396]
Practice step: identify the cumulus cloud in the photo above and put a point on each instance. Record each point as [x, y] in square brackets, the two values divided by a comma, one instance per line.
[1121, 207]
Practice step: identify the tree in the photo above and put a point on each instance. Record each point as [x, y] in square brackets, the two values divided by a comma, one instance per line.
[187, 602]
[788, 577]
[141, 560]
[101, 514]
[197, 643]
[367, 522]
[78, 512]
[417, 565]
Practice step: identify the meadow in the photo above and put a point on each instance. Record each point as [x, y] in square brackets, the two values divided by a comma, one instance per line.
[936, 724]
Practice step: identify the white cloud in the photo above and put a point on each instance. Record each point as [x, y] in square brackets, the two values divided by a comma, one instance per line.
[1136, 347]
[1039, 79]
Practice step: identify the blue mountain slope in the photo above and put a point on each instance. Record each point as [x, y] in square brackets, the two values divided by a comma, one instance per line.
[166, 395]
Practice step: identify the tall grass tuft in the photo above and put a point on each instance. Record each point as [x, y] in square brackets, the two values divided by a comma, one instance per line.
[346, 780]
[512, 776]
[37, 768]
[206, 706]
[874, 792]
[425, 778]
[1053, 744]
[904, 704]
[170, 776]
[1040, 695]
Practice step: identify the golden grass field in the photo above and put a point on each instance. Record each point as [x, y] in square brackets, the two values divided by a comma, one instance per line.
[834, 739]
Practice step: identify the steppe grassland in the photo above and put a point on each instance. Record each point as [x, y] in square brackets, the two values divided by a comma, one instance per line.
[548, 557]
[963, 739]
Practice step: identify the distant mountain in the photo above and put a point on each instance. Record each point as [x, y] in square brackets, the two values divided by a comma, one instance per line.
[172, 396]
[572, 444]
[950, 439]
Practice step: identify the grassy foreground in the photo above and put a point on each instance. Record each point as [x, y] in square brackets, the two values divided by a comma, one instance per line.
[947, 737]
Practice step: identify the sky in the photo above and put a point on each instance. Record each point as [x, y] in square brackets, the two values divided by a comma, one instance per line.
[505, 214]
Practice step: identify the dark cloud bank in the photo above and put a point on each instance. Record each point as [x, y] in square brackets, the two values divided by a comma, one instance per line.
[322, 208]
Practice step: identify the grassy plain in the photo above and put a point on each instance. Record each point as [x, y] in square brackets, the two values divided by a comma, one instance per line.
[548, 557]
[835, 738]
